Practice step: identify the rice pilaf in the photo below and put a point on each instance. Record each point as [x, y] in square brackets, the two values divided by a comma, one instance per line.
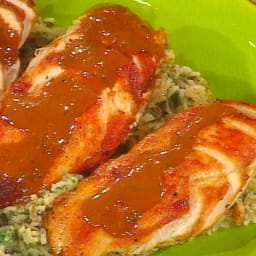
[177, 88]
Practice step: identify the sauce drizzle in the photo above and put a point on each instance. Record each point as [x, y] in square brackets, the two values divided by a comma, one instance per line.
[10, 38]
[119, 207]
[47, 121]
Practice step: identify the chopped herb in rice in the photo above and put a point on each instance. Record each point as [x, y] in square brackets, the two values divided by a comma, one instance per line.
[21, 230]
[21, 226]
[177, 88]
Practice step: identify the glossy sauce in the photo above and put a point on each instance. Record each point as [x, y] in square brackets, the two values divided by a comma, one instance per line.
[49, 120]
[10, 38]
[119, 207]
[117, 27]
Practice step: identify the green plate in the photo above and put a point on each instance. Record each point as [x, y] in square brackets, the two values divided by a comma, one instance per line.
[217, 38]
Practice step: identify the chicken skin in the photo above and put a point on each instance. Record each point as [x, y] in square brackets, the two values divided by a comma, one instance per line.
[174, 184]
[77, 100]
[16, 20]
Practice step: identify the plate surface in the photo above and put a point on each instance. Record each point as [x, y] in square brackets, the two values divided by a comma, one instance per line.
[216, 38]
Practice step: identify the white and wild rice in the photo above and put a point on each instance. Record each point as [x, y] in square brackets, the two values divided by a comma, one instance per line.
[177, 87]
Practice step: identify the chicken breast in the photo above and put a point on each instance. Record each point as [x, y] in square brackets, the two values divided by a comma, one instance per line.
[174, 184]
[77, 100]
[16, 20]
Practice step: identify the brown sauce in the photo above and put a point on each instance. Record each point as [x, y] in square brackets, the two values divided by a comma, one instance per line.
[119, 207]
[48, 120]
[10, 38]
[119, 28]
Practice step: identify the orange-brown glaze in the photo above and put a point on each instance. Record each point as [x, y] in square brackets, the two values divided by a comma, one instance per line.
[121, 29]
[125, 200]
[196, 187]
[92, 60]
[48, 120]
[10, 38]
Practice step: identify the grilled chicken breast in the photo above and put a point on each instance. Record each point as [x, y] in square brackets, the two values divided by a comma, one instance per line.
[77, 99]
[174, 184]
[16, 20]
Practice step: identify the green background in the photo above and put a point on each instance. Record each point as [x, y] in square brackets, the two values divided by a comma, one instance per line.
[215, 37]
